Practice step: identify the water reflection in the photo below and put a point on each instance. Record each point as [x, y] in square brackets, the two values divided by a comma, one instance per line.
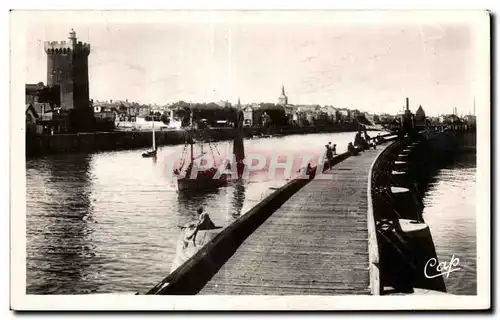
[62, 249]
[238, 199]
[450, 212]
[189, 202]
[108, 221]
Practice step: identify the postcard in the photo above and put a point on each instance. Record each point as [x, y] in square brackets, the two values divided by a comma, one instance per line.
[250, 160]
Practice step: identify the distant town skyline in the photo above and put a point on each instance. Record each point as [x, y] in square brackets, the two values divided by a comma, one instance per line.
[368, 66]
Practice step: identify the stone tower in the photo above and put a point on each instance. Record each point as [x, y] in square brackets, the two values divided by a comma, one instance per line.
[283, 99]
[67, 67]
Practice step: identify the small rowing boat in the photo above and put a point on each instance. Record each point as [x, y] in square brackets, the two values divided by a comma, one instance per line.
[186, 247]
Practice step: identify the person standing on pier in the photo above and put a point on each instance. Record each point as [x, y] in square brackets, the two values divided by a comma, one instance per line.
[329, 152]
[358, 140]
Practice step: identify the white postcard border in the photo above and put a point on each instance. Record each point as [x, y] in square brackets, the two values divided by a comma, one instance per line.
[21, 301]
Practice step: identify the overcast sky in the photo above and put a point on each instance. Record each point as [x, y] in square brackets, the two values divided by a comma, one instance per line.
[364, 64]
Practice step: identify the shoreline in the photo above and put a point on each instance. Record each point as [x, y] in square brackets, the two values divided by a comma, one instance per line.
[130, 140]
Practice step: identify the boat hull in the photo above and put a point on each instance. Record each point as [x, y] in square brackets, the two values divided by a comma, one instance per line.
[149, 154]
[201, 183]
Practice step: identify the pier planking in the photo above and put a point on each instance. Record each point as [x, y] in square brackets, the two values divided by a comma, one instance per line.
[315, 244]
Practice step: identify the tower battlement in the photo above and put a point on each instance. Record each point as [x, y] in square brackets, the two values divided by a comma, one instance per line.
[63, 47]
[67, 67]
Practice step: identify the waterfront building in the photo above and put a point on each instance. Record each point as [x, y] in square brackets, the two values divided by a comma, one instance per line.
[296, 117]
[265, 120]
[290, 114]
[174, 122]
[43, 117]
[283, 99]
[355, 114]
[310, 116]
[420, 115]
[344, 115]
[105, 117]
[470, 119]
[31, 120]
[256, 114]
[320, 115]
[373, 118]
[42, 108]
[42, 93]
[67, 67]
[144, 110]
[449, 119]
[386, 118]
[128, 111]
[247, 116]
[306, 115]
[331, 113]
[32, 93]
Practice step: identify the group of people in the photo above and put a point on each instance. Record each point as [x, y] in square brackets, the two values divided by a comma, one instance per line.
[331, 150]
[363, 141]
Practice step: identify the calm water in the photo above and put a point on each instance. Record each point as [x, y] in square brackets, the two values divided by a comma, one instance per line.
[107, 222]
[450, 212]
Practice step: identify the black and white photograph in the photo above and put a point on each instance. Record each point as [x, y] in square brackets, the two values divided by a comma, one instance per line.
[283, 160]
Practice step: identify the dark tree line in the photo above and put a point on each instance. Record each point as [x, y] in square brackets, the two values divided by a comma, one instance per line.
[276, 113]
[211, 112]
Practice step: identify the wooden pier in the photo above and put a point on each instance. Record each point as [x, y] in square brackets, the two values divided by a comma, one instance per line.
[316, 243]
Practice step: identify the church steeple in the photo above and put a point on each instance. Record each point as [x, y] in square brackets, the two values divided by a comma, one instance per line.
[283, 99]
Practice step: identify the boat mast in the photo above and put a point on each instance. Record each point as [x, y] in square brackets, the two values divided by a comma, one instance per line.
[154, 140]
[191, 130]
[238, 146]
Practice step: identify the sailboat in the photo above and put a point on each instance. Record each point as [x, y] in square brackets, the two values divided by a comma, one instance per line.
[188, 244]
[205, 178]
[151, 153]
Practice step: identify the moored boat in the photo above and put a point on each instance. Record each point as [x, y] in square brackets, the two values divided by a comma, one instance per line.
[152, 153]
[149, 154]
[204, 178]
